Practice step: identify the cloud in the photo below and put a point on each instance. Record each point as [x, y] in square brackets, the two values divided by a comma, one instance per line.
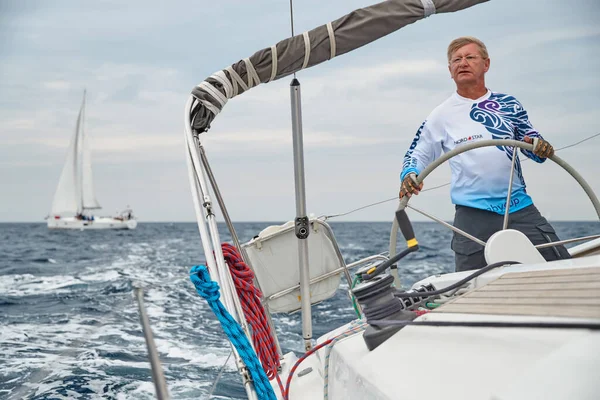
[139, 62]
[548, 36]
[17, 125]
[270, 140]
[57, 85]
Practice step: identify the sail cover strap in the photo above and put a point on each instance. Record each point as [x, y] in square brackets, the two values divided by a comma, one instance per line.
[428, 8]
[253, 78]
[214, 109]
[273, 63]
[306, 49]
[214, 92]
[331, 39]
[231, 86]
[230, 90]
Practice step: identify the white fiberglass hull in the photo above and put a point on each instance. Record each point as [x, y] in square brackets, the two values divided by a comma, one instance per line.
[464, 363]
[97, 223]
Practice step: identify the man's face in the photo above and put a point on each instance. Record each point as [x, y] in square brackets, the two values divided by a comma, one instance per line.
[467, 66]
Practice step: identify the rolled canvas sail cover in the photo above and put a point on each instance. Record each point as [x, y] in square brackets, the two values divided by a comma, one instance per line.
[341, 36]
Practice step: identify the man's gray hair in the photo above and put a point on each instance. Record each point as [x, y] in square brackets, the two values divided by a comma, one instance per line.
[465, 40]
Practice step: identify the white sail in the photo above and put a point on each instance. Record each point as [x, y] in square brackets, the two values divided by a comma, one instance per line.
[75, 191]
[67, 199]
[87, 184]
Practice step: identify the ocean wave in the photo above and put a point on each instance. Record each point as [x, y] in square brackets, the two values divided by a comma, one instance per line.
[70, 327]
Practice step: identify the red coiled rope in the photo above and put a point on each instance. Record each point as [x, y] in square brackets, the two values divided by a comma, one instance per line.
[250, 298]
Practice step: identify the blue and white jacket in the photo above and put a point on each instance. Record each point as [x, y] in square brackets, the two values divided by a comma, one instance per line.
[480, 177]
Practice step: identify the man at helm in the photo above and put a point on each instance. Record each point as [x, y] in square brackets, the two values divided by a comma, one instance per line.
[480, 177]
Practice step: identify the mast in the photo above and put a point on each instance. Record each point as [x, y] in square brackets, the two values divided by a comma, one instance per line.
[78, 157]
[302, 223]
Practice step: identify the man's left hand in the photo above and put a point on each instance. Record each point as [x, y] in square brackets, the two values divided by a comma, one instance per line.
[541, 148]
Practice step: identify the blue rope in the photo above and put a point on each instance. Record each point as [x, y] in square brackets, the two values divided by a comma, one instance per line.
[209, 289]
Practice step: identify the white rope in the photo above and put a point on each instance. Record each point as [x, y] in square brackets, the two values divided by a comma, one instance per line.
[253, 78]
[230, 86]
[428, 7]
[236, 79]
[223, 80]
[331, 40]
[214, 92]
[273, 63]
[306, 49]
[215, 110]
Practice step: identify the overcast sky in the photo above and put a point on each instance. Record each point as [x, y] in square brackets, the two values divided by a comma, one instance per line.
[139, 61]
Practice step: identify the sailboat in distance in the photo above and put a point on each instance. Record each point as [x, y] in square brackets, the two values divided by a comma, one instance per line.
[75, 199]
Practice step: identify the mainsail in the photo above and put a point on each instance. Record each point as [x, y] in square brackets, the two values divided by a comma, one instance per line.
[338, 37]
[75, 191]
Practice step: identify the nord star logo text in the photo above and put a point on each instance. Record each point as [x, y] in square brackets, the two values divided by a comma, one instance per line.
[468, 139]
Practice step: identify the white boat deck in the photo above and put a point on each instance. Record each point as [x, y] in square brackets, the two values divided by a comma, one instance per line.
[463, 363]
[445, 362]
[552, 293]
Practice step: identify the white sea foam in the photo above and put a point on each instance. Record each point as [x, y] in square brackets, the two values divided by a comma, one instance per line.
[27, 284]
[101, 276]
[105, 352]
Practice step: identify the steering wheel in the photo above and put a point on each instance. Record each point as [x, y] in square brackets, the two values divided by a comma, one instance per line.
[488, 143]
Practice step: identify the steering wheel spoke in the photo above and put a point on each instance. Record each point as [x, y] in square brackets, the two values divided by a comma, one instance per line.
[559, 242]
[510, 185]
[447, 225]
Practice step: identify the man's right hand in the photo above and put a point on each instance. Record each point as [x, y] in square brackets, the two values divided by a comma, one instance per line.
[409, 186]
